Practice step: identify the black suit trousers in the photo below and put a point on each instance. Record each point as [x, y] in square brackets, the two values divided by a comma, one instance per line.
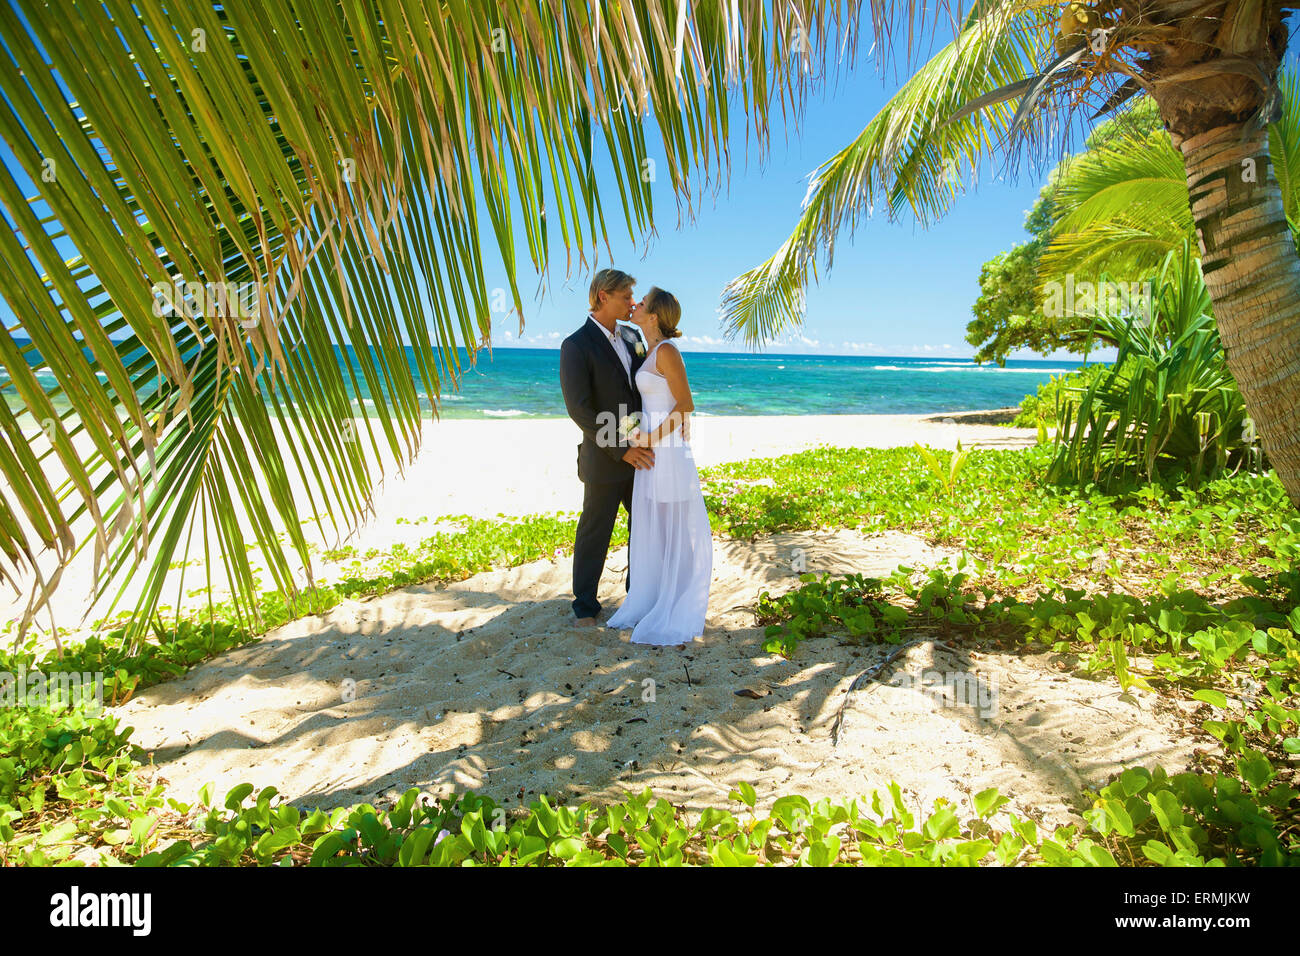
[600, 501]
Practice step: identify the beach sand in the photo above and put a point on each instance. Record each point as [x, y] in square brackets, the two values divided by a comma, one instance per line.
[486, 467]
[485, 685]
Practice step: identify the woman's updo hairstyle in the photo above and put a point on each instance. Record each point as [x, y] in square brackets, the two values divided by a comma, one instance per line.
[666, 310]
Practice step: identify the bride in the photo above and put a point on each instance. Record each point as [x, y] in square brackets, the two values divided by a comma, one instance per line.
[670, 551]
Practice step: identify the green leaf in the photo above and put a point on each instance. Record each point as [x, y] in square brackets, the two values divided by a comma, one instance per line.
[988, 802]
[415, 847]
[1256, 770]
[745, 793]
[237, 795]
[567, 848]
[326, 848]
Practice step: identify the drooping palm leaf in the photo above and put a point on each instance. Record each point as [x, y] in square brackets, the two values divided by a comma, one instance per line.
[907, 157]
[1123, 93]
[354, 161]
[1124, 208]
[1121, 208]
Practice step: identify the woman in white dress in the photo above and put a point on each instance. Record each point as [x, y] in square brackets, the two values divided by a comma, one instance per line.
[670, 552]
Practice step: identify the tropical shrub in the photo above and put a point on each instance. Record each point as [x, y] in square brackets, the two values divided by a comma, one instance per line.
[1168, 401]
[1040, 408]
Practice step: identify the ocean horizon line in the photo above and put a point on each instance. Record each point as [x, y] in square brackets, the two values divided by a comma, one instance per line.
[929, 357]
[936, 355]
[523, 381]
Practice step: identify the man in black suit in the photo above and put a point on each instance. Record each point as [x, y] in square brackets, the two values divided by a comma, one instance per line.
[598, 365]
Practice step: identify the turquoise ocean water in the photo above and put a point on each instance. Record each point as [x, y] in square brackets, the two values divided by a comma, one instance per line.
[520, 383]
[525, 383]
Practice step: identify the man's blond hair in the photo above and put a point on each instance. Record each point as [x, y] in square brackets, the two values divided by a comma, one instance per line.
[608, 280]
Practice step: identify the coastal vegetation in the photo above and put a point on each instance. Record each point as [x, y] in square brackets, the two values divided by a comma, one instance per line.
[1165, 588]
[1149, 540]
[1117, 208]
[1168, 399]
[1016, 76]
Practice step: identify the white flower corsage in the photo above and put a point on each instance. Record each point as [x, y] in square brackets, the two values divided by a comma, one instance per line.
[628, 424]
[632, 339]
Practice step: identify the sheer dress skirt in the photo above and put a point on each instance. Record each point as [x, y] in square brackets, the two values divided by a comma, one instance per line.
[670, 550]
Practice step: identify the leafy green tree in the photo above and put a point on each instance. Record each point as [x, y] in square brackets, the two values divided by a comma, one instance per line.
[1212, 69]
[1008, 313]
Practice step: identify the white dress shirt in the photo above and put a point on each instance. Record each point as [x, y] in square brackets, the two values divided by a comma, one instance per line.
[620, 346]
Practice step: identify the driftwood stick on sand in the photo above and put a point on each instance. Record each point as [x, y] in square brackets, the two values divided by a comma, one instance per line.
[871, 673]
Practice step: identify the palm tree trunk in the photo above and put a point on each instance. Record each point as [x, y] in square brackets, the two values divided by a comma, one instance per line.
[1253, 276]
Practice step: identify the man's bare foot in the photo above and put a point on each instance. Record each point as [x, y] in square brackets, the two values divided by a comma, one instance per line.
[586, 622]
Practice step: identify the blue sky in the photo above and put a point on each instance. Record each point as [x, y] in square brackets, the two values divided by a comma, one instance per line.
[895, 288]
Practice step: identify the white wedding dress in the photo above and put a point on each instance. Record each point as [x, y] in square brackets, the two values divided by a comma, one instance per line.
[670, 552]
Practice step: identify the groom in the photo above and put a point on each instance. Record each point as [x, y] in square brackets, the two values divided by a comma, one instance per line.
[598, 365]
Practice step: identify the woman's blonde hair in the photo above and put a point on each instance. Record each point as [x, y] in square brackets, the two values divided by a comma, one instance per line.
[666, 310]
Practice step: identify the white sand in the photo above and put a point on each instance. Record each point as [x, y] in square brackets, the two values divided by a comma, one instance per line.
[484, 684]
[485, 467]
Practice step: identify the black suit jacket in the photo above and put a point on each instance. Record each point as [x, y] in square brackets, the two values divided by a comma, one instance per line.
[598, 395]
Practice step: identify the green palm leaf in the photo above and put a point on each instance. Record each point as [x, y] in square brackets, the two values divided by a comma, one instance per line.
[910, 156]
[1123, 208]
[354, 163]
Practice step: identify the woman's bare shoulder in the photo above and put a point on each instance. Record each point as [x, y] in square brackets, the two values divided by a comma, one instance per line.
[674, 353]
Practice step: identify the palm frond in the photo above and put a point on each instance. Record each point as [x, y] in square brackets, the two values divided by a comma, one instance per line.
[909, 156]
[1042, 82]
[353, 164]
[1120, 208]
[1284, 142]
[1123, 93]
[1124, 208]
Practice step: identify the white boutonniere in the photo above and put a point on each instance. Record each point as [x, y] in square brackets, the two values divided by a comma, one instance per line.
[634, 340]
[628, 424]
